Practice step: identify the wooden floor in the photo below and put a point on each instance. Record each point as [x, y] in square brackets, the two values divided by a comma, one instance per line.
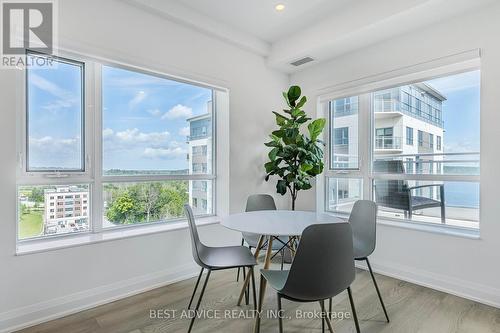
[411, 309]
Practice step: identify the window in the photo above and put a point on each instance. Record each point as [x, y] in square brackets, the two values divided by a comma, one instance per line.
[384, 139]
[154, 154]
[37, 219]
[342, 136]
[151, 119]
[420, 138]
[343, 193]
[416, 183]
[409, 136]
[344, 148]
[55, 116]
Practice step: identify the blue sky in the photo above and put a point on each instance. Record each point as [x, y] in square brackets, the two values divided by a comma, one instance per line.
[460, 111]
[144, 118]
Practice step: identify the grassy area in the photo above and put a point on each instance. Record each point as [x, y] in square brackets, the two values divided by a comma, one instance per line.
[31, 225]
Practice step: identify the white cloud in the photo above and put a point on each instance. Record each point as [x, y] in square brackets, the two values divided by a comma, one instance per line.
[47, 86]
[65, 99]
[164, 153]
[48, 145]
[48, 140]
[184, 131]
[138, 98]
[107, 132]
[178, 111]
[136, 136]
[154, 112]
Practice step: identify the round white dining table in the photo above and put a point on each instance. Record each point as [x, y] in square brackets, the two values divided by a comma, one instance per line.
[270, 224]
[273, 222]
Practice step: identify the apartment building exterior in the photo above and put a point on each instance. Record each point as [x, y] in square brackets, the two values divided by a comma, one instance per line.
[66, 209]
[200, 161]
[408, 126]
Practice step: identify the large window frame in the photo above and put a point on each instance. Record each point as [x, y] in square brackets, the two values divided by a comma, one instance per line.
[92, 147]
[363, 89]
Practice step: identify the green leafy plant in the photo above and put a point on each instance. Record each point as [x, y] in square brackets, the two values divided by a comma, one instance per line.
[296, 156]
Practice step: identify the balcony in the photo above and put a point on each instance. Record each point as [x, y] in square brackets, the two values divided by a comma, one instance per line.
[382, 106]
[388, 143]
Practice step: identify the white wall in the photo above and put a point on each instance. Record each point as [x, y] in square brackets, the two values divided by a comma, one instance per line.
[462, 266]
[62, 280]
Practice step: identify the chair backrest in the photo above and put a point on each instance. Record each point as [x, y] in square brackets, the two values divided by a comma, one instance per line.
[391, 193]
[363, 221]
[260, 202]
[196, 245]
[324, 263]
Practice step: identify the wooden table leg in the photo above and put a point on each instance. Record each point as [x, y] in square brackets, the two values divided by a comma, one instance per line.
[247, 278]
[292, 248]
[263, 284]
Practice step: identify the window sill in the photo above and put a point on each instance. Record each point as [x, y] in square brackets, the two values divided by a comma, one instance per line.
[106, 235]
[424, 227]
[433, 228]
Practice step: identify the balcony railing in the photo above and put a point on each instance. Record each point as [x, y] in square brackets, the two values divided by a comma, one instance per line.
[393, 105]
[466, 163]
[387, 142]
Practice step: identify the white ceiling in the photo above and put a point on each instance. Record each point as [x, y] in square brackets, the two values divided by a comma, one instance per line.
[259, 18]
[321, 29]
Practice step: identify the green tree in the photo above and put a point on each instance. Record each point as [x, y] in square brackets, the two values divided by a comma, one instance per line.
[36, 195]
[122, 209]
[146, 202]
[295, 157]
[23, 210]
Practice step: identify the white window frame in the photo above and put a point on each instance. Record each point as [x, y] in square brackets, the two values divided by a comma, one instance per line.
[93, 172]
[456, 64]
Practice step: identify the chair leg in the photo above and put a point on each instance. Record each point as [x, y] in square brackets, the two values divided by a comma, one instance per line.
[259, 304]
[199, 301]
[280, 320]
[238, 274]
[253, 288]
[246, 289]
[353, 308]
[376, 288]
[330, 307]
[325, 317]
[195, 288]
[282, 258]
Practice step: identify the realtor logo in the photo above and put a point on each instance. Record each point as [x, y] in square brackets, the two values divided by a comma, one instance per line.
[26, 25]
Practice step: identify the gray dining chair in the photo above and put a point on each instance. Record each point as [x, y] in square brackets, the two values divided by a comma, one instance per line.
[322, 268]
[256, 202]
[363, 220]
[216, 258]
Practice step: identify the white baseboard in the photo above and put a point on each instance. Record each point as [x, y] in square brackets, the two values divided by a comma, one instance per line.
[59, 307]
[448, 284]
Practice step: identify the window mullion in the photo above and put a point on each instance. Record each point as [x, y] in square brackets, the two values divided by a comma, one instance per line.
[96, 109]
[365, 142]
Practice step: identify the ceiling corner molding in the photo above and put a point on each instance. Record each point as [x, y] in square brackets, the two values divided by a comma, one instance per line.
[186, 17]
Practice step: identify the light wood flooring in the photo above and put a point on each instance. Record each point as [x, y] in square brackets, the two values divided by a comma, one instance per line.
[411, 309]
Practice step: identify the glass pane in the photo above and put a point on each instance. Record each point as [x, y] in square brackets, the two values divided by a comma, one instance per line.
[422, 201]
[53, 210]
[55, 116]
[148, 202]
[160, 122]
[342, 193]
[344, 133]
[445, 112]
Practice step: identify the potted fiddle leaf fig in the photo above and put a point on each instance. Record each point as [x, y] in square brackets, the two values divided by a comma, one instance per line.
[296, 155]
